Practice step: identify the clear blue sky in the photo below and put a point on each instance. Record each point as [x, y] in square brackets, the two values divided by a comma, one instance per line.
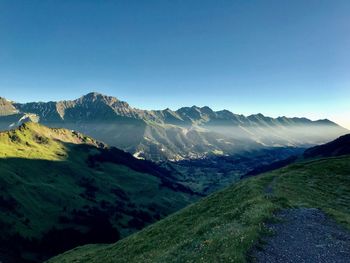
[276, 57]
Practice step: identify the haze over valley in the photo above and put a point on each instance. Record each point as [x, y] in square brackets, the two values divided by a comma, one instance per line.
[189, 132]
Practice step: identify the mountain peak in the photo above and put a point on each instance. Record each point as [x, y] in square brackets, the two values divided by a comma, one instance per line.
[6, 107]
[93, 96]
[206, 109]
[325, 122]
[258, 115]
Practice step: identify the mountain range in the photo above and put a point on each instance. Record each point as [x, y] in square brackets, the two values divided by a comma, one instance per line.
[158, 135]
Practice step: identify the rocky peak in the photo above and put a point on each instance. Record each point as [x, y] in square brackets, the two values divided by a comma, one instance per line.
[6, 107]
[95, 97]
[98, 98]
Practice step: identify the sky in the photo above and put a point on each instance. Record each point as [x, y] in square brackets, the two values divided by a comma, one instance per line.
[275, 57]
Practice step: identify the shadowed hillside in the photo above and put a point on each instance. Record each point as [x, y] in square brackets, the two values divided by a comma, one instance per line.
[340, 146]
[60, 189]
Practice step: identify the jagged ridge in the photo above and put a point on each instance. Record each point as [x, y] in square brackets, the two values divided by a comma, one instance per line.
[189, 132]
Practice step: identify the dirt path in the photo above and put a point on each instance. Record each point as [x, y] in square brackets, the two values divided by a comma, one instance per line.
[304, 235]
[270, 186]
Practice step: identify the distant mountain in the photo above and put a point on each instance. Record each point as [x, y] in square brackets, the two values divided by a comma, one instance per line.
[7, 107]
[189, 132]
[340, 146]
[60, 189]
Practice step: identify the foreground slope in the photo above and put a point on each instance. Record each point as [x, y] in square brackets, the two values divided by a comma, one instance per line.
[60, 189]
[226, 225]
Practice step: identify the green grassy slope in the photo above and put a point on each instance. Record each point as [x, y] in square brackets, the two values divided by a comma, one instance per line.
[60, 189]
[34, 141]
[225, 225]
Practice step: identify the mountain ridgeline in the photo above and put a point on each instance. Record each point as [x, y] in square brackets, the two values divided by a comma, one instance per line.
[187, 133]
[338, 147]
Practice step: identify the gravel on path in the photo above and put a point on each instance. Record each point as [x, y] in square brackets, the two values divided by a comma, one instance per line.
[304, 235]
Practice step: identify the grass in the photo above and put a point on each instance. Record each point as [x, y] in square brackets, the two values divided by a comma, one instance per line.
[34, 141]
[224, 226]
[45, 176]
[323, 183]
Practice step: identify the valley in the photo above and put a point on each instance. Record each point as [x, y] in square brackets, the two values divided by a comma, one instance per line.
[227, 225]
[214, 173]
